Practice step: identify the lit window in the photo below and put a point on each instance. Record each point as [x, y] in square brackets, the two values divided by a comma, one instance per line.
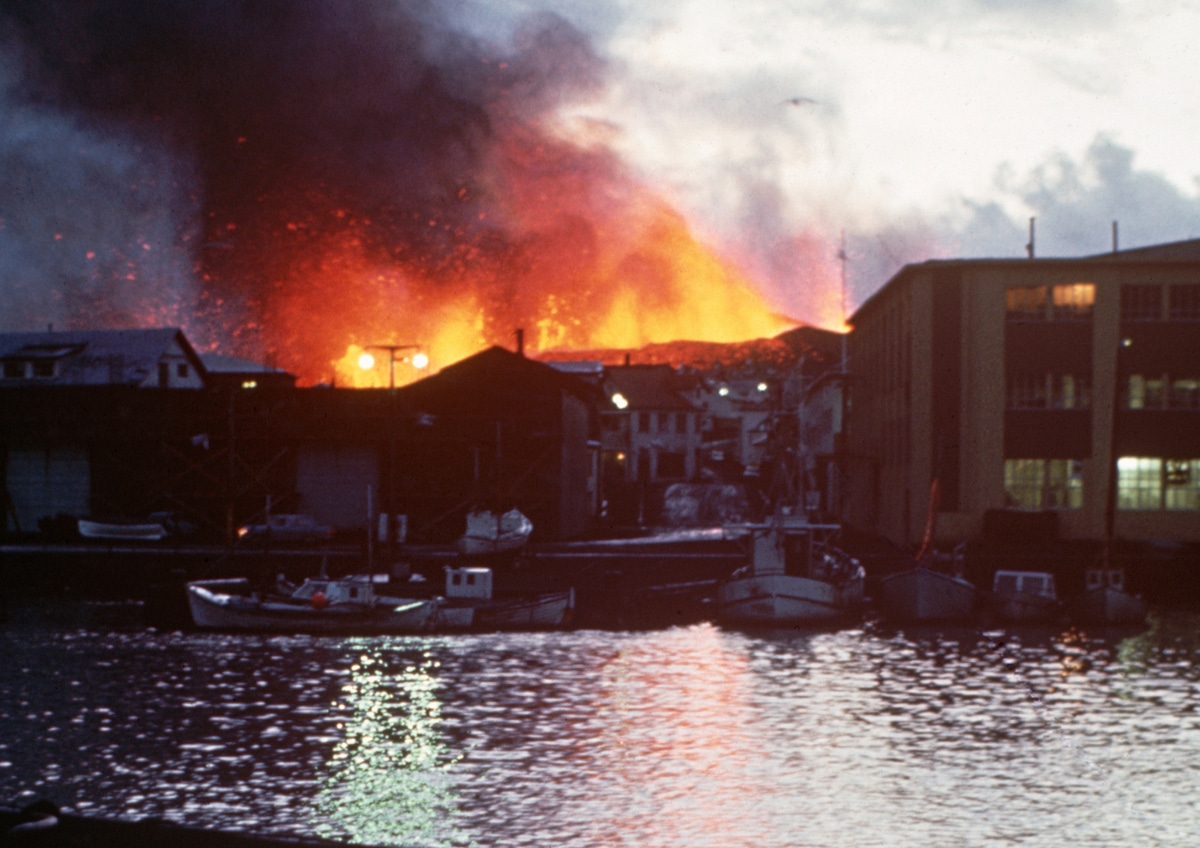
[1181, 484]
[1074, 301]
[1044, 483]
[1139, 482]
[1025, 302]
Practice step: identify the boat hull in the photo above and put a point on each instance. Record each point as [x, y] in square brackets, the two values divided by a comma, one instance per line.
[148, 531]
[1107, 605]
[921, 594]
[1026, 608]
[772, 600]
[215, 610]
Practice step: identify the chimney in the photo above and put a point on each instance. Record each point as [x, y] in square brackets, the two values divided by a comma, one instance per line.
[1029, 247]
[520, 334]
[627, 359]
[1115, 249]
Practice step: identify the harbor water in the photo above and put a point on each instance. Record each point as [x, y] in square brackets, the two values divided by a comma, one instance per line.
[696, 735]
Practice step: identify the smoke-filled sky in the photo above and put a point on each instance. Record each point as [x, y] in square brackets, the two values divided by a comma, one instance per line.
[251, 168]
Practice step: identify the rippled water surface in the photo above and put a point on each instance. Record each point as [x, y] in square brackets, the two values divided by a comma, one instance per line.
[691, 736]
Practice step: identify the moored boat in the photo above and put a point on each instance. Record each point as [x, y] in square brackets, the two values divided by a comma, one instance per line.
[1105, 601]
[469, 605]
[148, 531]
[346, 605]
[925, 594]
[1024, 596]
[796, 576]
[489, 533]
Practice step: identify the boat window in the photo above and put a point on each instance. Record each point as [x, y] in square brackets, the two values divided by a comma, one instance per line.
[1006, 583]
[470, 579]
[1034, 584]
[353, 592]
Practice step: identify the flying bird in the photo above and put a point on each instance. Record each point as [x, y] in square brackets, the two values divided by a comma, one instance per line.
[798, 101]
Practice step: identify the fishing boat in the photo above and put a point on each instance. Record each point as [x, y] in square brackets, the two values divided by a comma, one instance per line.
[319, 605]
[1104, 600]
[1024, 596]
[469, 604]
[796, 576]
[922, 593]
[490, 533]
[146, 531]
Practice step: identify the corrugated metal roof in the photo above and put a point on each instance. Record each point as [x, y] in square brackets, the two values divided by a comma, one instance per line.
[94, 357]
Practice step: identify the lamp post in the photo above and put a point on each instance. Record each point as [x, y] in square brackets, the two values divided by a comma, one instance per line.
[366, 362]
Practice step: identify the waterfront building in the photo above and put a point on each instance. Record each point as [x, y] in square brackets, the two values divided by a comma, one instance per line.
[1006, 391]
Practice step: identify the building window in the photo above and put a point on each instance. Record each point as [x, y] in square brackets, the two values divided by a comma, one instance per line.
[643, 424]
[1185, 394]
[1048, 391]
[1139, 482]
[164, 374]
[1044, 483]
[1185, 302]
[181, 370]
[681, 423]
[1141, 303]
[1161, 391]
[1025, 303]
[1145, 482]
[1074, 301]
[1181, 484]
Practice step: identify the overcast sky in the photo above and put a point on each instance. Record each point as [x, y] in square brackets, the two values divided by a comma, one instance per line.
[921, 129]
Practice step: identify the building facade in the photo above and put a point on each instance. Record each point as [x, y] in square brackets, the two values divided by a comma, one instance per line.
[1064, 387]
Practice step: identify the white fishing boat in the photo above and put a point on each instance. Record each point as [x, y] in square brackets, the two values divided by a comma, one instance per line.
[319, 605]
[1024, 596]
[147, 531]
[796, 576]
[469, 604]
[490, 533]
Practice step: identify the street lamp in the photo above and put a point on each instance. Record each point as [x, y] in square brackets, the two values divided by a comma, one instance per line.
[366, 361]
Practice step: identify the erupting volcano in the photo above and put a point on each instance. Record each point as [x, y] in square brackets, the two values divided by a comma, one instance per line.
[366, 174]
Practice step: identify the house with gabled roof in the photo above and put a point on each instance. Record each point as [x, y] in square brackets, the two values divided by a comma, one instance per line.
[158, 357]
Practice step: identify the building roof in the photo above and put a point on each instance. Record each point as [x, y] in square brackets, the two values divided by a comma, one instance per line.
[655, 387]
[1178, 252]
[96, 357]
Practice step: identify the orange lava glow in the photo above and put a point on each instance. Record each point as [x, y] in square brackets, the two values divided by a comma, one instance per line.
[560, 242]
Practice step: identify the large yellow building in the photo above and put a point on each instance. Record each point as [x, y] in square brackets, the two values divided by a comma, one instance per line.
[989, 385]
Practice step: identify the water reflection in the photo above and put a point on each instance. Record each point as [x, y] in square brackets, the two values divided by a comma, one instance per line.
[386, 780]
[699, 736]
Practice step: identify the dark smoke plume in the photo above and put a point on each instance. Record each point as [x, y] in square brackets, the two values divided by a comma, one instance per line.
[233, 140]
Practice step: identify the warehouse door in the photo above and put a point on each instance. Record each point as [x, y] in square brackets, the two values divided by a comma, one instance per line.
[333, 482]
[44, 482]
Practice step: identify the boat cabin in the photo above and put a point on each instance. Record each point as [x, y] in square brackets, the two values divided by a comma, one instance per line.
[1038, 583]
[471, 582]
[356, 589]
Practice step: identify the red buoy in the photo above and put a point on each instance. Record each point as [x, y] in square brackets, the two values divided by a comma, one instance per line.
[319, 601]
